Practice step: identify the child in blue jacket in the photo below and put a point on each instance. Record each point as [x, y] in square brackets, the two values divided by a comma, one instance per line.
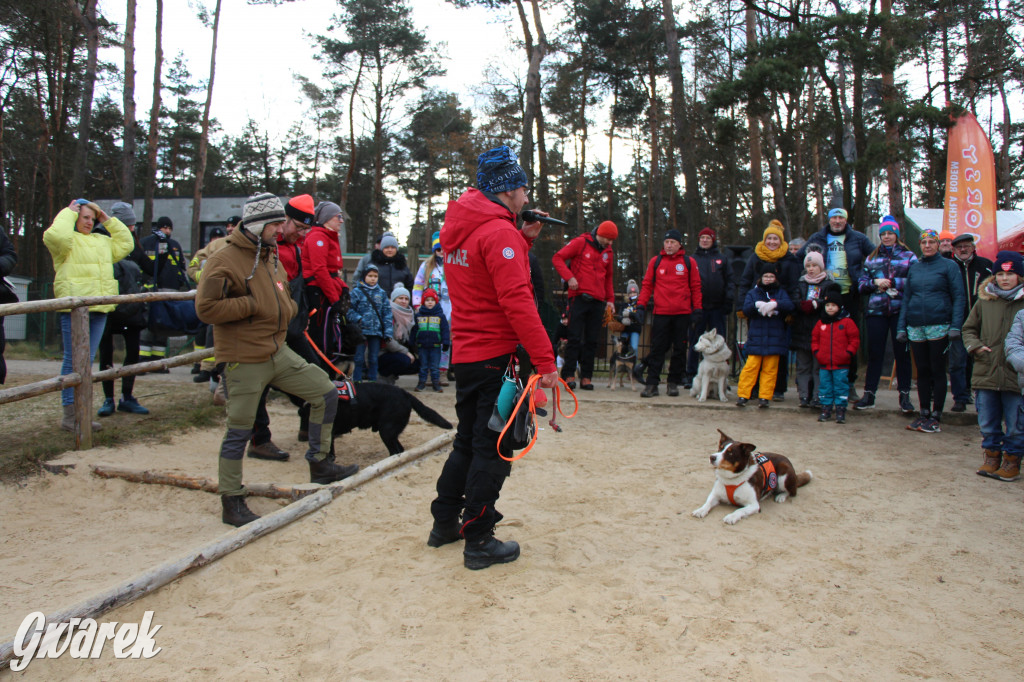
[371, 309]
[433, 338]
[766, 306]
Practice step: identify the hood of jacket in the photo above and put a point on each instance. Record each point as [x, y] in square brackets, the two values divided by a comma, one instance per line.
[467, 214]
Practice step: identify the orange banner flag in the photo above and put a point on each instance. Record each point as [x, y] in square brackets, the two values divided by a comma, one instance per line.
[971, 185]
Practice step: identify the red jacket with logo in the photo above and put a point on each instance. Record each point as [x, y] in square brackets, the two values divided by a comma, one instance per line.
[289, 255]
[676, 289]
[488, 274]
[834, 344]
[321, 261]
[591, 265]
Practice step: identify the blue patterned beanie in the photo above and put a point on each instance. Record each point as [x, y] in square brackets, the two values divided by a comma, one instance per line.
[498, 170]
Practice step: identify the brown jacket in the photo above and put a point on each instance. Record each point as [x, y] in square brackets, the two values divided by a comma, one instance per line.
[249, 317]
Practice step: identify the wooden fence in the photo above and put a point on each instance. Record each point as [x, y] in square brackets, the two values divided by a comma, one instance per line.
[82, 377]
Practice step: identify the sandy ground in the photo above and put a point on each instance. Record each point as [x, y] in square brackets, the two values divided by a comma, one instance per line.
[896, 562]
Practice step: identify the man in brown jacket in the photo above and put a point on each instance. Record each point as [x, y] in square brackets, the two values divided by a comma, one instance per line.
[244, 294]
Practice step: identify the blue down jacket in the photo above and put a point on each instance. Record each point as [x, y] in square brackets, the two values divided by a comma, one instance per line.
[767, 335]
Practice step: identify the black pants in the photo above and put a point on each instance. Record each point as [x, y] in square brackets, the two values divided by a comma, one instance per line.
[851, 302]
[585, 319]
[668, 330]
[471, 479]
[131, 356]
[930, 358]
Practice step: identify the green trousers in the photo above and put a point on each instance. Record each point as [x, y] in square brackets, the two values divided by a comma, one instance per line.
[244, 384]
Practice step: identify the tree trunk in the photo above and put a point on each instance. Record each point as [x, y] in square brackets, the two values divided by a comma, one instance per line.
[611, 147]
[128, 148]
[535, 52]
[894, 169]
[581, 178]
[1005, 182]
[778, 189]
[352, 146]
[754, 135]
[197, 192]
[377, 198]
[92, 34]
[154, 120]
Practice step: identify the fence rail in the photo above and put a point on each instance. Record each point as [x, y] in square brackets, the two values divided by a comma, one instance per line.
[82, 377]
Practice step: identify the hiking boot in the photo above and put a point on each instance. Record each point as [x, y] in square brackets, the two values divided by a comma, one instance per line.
[649, 392]
[483, 553]
[324, 471]
[638, 372]
[779, 398]
[742, 402]
[67, 421]
[131, 405]
[672, 390]
[992, 464]
[764, 403]
[866, 402]
[1010, 469]
[107, 408]
[267, 451]
[804, 402]
[913, 426]
[437, 388]
[201, 376]
[959, 406]
[687, 383]
[419, 387]
[929, 425]
[906, 407]
[235, 512]
[196, 369]
[444, 532]
[840, 414]
[826, 413]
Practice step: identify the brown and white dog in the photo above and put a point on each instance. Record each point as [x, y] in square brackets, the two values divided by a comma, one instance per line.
[743, 477]
[621, 364]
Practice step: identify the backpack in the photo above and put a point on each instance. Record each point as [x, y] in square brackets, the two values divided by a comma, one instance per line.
[133, 314]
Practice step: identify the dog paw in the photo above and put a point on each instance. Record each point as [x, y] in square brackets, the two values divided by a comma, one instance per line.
[702, 400]
[701, 513]
[731, 519]
[781, 497]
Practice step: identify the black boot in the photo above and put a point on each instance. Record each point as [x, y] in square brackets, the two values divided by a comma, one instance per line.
[826, 413]
[840, 414]
[324, 471]
[235, 512]
[490, 550]
[444, 532]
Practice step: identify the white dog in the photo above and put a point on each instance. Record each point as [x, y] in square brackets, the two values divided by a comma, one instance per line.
[713, 368]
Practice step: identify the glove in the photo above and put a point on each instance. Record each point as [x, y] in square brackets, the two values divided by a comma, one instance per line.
[953, 334]
[771, 305]
[901, 337]
[807, 307]
[639, 315]
[741, 315]
[760, 305]
[697, 319]
[445, 348]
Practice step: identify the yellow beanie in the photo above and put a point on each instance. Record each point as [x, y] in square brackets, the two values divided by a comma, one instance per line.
[774, 227]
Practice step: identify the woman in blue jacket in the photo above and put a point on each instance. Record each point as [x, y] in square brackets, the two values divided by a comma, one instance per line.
[932, 313]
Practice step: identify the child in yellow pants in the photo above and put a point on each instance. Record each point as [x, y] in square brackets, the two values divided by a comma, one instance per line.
[766, 306]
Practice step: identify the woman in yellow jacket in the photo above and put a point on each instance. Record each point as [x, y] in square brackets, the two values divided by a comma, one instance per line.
[84, 265]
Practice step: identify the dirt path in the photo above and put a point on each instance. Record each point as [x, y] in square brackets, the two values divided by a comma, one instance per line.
[896, 562]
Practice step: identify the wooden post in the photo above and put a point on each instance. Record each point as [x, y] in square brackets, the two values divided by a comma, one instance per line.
[81, 364]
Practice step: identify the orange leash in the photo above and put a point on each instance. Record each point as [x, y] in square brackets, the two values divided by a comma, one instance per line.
[318, 352]
[529, 395]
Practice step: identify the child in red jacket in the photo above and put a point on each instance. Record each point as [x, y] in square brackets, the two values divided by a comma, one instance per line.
[834, 342]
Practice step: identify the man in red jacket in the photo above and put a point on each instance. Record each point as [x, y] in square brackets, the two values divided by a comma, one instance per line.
[493, 310]
[589, 275]
[672, 280]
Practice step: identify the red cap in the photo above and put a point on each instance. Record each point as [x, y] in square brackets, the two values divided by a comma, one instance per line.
[430, 293]
[709, 232]
[301, 209]
[608, 230]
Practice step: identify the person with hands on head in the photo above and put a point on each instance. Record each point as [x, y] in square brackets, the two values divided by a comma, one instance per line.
[672, 286]
[493, 313]
[587, 264]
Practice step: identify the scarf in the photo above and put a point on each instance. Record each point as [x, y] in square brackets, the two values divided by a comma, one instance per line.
[401, 320]
[815, 280]
[771, 256]
[1007, 295]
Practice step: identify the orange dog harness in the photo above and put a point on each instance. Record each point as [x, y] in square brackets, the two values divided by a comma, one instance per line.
[771, 479]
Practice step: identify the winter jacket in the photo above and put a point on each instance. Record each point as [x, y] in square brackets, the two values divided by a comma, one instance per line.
[432, 327]
[673, 283]
[195, 266]
[787, 277]
[169, 264]
[8, 256]
[488, 274]
[806, 312]
[989, 325]
[591, 264]
[891, 263]
[84, 263]
[291, 257]
[435, 281]
[716, 285]
[1013, 347]
[932, 294]
[249, 315]
[391, 271]
[834, 341]
[767, 335]
[371, 309]
[972, 273]
[321, 262]
[856, 245]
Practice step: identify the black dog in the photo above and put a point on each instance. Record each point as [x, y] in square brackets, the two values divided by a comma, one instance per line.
[385, 409]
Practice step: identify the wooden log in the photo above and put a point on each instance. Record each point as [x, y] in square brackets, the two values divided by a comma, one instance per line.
[150, 580]
[81, 364]
[143, 367]
[10, 395]
[69, 302]
[392, 462]
[209, 485]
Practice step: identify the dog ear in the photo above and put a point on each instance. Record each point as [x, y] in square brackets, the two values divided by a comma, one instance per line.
[748, 450]
[723, 439]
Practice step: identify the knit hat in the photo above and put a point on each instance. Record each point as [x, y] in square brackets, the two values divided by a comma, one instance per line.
[123, 212]
[833, 294]
[632, 289]
[888, 224]
[388, 240]
[945, 234]
[399, 290]
[608, 230]
[814, 257]
[498, 170]
[774, 227]
[300, 209]
[932, 234]
[164, 221]
[838, 213]
[370, 268]
[674, 234]
[435, 241]
[709, 232]
[324, 211]
[1009, 261]
[217, 233]
[260, 209]
[963, 237]
[768, 268]
[234, 220]
[430, 293]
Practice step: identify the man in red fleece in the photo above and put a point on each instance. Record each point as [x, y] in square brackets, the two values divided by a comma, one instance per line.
[493, 311]
[588, 274]
[672, 285]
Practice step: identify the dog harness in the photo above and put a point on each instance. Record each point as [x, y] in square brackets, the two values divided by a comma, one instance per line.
[346, 391]
[771, 479]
